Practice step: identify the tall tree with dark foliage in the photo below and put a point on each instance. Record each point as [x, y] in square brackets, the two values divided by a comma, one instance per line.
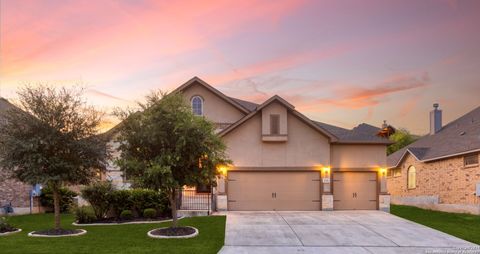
[52, 140]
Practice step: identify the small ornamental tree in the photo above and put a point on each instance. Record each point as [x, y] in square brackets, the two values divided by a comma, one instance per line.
[52, 140]
[165, 146]
[401, 139]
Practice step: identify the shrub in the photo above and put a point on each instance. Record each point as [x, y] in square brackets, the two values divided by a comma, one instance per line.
[126, 215]
[85, 214]
[5, 226]
[98, 195]
[144, 198]
[120, 200]
[149, 213]
[66, 198]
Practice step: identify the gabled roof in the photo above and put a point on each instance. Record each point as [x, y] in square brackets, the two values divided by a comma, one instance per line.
[289, 107]
[239, 104]
[460, 136]
[362, 134]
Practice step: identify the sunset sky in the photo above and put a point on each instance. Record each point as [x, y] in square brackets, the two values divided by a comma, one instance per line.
[339, 62]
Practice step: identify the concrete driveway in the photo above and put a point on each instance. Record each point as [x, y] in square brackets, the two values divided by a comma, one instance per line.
[333, 232]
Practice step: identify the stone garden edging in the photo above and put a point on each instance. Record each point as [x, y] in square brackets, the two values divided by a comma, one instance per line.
[172, 237]
[11, 232]
[83, 231]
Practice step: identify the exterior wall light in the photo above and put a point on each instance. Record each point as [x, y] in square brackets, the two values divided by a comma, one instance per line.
[222, 170]
[383, 171]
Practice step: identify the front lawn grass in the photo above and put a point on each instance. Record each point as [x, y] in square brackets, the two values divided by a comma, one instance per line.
[112, 239]
[465, 226]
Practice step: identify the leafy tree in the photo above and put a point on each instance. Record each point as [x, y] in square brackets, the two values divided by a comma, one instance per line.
[52, 140]
[164, 146]
[402, 138]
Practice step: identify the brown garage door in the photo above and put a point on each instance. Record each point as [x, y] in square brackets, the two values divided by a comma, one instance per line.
[281, 191]
[354, 191]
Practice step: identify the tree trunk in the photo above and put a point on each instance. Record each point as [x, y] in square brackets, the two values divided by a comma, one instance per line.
[56, 205]
[173, 204]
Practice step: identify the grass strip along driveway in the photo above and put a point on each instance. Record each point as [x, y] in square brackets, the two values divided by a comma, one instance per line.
[112, 239]
[464, 226]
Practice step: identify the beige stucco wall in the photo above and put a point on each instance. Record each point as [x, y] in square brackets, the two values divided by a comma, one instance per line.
[278, 109]
[357, 156]
[305, 147]
[214, 108]
[446, 179]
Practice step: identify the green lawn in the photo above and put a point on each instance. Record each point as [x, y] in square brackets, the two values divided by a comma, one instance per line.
[463, 226]
[113, 239]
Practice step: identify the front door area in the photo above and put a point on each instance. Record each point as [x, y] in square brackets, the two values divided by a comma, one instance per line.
[280, 191]
[354, 191]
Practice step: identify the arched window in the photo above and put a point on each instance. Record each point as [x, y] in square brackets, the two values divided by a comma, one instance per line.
[411, 177]
[197, 105]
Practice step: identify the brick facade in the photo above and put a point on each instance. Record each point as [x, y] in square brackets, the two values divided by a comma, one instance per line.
[14, 191]
[448, 180]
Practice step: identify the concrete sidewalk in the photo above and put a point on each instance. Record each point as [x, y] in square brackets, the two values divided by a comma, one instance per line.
[333, 232]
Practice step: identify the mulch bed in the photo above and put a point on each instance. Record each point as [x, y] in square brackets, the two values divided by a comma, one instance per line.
[57, 232]
[178, 231]
[6, 230]
[114, 220]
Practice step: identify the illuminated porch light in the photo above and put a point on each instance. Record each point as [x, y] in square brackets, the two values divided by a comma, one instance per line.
[222, 169]
[383, 171]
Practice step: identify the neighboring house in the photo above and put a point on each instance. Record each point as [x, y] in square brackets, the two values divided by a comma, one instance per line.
[282, 160]
[440, 171]
[11, 190]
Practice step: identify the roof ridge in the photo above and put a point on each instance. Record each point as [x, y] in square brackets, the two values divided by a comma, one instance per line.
[459, 118]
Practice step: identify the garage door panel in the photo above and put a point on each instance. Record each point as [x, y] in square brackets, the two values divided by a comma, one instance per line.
[274, 191]
[355, 190]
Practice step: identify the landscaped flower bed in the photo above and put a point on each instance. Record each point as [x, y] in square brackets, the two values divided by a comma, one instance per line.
[57, 232]
[111, 206]
[173, 232]
[6, 228]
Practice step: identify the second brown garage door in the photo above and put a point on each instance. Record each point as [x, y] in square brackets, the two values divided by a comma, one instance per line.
[354, 191]
[287, 191]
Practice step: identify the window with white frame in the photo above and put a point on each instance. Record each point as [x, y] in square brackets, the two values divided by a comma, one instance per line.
[197, 105]
[470, 160]
[411, 177]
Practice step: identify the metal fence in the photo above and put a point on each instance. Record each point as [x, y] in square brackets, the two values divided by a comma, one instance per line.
[190, 199]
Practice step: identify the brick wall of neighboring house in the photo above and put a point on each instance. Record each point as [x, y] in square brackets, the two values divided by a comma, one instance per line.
[442, 185]
[15, 192]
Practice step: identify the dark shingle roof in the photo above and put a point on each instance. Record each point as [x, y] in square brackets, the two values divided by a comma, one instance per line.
[246, 104]
[457, 137]
[363, 133]
[5, 105]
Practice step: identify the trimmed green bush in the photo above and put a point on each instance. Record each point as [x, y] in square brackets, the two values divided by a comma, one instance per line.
[98, 195]
[66, 199]
[120, 200]
[126, 215]
[85, 214]
[149, 213]
[5, 226]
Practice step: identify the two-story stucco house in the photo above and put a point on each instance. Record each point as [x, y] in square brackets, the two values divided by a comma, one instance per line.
[283, 160]
[440, 171]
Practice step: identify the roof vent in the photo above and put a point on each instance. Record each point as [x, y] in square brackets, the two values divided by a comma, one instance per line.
[462, 133]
